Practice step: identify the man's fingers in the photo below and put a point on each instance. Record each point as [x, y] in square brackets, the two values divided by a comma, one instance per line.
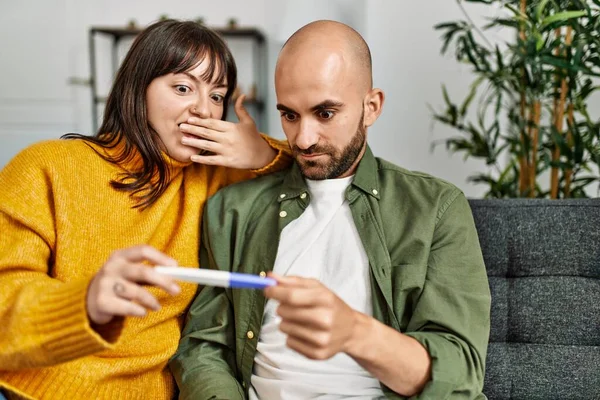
[296, 281]
[295, 297]
[305, 333]
[312, 317]
[241, 111]
[308, 349]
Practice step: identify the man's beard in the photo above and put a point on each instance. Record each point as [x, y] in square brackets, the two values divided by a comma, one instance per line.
[339, 161]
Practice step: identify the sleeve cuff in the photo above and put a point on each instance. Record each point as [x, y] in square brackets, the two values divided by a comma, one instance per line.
[63, 321]
[230, 390]
[445, 369]
[282, 160]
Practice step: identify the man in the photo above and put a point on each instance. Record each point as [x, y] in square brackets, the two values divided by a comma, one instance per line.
[382, 290]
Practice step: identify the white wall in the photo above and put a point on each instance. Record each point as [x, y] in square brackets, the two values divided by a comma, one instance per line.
[408, 66]
[36, 102]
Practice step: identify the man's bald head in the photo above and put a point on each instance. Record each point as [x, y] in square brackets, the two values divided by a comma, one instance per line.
[319, 39]
[326, 98]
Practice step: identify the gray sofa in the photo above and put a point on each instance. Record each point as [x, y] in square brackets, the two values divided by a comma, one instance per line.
[543, 262]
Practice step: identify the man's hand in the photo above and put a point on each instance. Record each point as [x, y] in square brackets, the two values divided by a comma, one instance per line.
[318, 323]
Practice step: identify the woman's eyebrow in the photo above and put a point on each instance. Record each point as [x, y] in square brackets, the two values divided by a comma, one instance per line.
[195, 79]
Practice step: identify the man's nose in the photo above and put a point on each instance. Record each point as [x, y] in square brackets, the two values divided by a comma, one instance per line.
[307, 134]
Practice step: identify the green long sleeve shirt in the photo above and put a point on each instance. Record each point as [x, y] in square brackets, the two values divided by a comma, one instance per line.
[428, 278]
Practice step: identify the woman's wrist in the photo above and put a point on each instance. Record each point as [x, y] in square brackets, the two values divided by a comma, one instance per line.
[266, 156]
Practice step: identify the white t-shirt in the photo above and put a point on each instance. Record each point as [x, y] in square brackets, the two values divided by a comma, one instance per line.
[322, 243]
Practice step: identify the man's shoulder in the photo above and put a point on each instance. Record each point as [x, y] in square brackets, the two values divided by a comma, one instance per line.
[409, 180]
[416, 190]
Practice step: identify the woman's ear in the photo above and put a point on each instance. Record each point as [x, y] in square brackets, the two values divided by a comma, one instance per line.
[373, 105]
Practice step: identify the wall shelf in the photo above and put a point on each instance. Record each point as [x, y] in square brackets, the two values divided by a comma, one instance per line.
[254, 36]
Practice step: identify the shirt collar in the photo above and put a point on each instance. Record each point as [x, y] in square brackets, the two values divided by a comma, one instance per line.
[365, 179]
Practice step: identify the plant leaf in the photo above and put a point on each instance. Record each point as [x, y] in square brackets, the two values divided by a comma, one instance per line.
[562, 16]
[540, 9]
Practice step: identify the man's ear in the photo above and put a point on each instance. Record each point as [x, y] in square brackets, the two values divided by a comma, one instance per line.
[373, 105]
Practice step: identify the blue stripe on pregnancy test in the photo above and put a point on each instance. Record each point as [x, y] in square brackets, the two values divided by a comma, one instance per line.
[248, 281]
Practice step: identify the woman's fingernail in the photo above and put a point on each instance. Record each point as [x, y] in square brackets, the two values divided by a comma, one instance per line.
[141, 312]
[175, 289]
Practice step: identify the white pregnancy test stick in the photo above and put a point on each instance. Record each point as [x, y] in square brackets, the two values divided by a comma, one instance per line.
[216, 278]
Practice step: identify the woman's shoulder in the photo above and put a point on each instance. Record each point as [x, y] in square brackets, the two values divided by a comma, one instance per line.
[51, 154]
[53, 149]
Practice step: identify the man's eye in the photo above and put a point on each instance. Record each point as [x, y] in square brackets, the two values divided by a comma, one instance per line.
[217, 98]
[182, 89]
[326, 114]
[289, 117]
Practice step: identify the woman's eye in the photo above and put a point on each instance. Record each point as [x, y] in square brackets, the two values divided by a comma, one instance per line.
[182, 89]
[217, 98]
[325, 114]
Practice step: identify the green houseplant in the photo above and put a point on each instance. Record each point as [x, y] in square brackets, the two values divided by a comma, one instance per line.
[531, 124]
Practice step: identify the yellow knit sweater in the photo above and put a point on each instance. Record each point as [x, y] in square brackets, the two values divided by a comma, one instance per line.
[59, 222]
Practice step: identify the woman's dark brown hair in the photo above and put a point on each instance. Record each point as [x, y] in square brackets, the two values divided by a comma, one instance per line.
[164, 47]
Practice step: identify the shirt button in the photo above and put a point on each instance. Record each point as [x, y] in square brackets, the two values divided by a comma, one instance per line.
[250, 335]
[303, 196]
[283, 214]
[282, 195]
[375, 192]
[262, 274]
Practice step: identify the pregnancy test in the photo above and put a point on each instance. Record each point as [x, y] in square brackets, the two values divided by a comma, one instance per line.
[217, 278]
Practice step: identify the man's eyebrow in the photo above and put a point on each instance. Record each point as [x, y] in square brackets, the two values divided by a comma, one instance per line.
[195, 79]
[327, 104]
[281, 107]
[321, 106]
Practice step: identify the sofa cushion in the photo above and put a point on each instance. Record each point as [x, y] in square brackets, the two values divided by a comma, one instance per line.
[543, 263]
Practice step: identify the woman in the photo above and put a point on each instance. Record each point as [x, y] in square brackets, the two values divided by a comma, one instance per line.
[83, 315]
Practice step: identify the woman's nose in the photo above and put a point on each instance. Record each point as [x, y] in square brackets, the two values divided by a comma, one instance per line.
[201, 109]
